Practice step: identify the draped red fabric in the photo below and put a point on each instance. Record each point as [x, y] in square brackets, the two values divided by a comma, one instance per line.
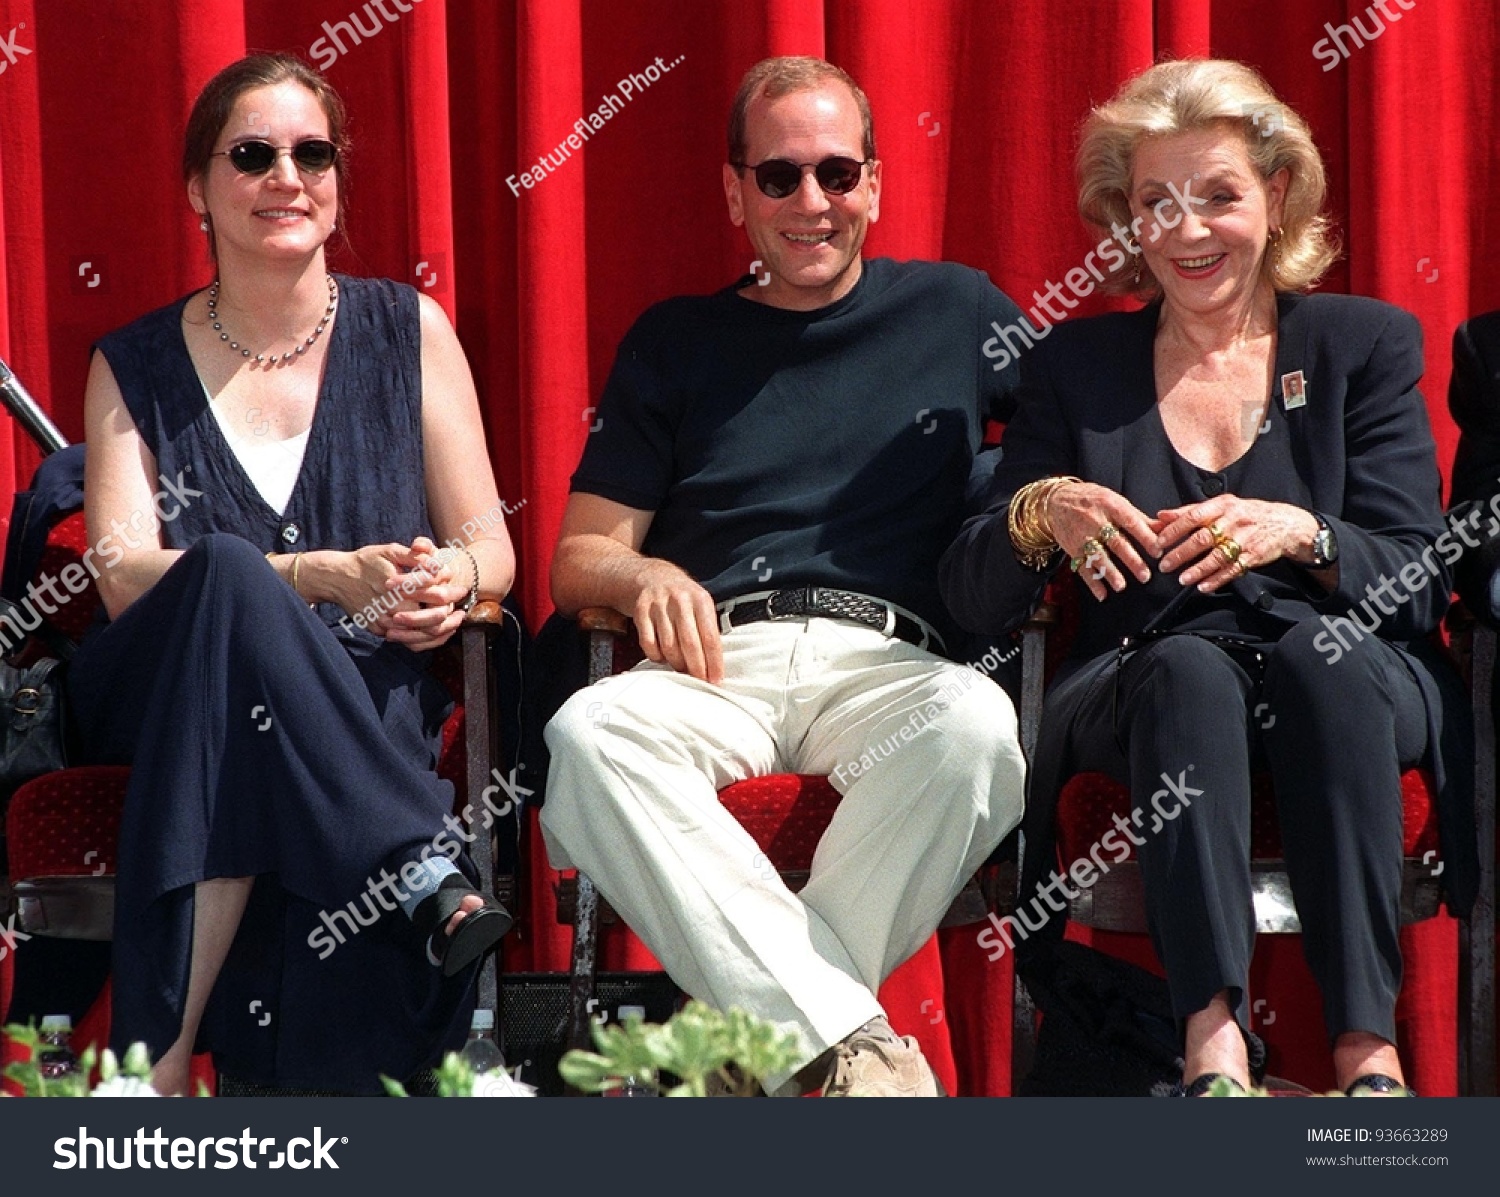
[976, 106]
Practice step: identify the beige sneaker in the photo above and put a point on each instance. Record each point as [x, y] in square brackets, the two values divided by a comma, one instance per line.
[716, 1084]
[875, 1062]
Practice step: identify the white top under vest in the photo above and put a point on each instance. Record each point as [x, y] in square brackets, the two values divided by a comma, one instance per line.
[273, 466]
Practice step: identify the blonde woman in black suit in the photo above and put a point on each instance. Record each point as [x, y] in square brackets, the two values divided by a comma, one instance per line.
[1243, 479]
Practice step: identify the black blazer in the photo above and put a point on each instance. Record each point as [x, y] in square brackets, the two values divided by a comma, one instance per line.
[1362, 446]
[1363, 457]
[1474, 400]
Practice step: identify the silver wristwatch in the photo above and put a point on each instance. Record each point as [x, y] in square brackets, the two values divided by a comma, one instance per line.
[1325, 545]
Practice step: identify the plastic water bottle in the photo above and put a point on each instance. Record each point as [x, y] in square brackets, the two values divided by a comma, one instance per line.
[634, 1086]
[481, 1052]
[55, 1056]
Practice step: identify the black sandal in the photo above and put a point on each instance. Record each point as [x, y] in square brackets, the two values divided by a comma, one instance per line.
[478, 933]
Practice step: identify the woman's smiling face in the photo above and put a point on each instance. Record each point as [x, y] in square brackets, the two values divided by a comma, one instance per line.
[1205, 216]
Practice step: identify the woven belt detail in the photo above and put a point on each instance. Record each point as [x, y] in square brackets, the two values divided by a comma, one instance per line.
[813, 601]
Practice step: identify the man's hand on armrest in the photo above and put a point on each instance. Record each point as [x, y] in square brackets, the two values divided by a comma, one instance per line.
[598, 564]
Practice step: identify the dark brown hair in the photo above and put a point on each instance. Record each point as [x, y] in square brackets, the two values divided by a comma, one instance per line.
[212, 108]
[777, 77]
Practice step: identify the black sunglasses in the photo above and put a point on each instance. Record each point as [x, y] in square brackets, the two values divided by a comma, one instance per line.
[777, 178]
[314, 155]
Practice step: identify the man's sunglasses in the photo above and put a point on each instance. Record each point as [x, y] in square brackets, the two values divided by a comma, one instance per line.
[315, 155]
[777, 178]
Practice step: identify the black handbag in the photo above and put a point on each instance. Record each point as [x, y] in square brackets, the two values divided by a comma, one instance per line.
[33, 740]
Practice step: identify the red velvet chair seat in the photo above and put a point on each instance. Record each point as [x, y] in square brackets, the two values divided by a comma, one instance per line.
[786, 815]
[1089, 801]
[67, 824]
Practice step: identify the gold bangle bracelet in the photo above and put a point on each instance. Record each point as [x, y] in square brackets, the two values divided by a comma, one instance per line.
[297, 575]
[1030, 536]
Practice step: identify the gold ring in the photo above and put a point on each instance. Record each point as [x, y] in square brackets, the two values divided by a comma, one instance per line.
[1107, 532]
[1241, 569]
[1086, 551]
[1231, 550]
[1215, 531]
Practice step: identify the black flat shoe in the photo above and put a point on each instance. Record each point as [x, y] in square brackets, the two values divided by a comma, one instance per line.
[479, 931]
[1200, 1086]
[1377, 1084]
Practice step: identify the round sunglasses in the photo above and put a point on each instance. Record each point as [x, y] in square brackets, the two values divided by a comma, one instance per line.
[314, 155]
[777, 178]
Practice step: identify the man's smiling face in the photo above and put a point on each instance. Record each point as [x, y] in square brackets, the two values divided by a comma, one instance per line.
[811, 240]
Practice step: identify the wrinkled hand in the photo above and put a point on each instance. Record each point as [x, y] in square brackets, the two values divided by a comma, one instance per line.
[677, 623]
[1076, 512]
[1265, 532]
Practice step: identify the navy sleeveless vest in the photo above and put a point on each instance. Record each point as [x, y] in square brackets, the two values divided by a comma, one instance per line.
[362, 479]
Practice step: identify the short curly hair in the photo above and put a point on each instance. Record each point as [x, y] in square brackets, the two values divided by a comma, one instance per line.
[1192, 94]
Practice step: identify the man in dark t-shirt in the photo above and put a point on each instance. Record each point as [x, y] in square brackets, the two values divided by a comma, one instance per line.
[773, 475]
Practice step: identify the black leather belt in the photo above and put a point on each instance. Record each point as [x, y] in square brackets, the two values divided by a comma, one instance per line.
[808, 601]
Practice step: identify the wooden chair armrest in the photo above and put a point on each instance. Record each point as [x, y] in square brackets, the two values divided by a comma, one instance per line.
[1045, 616]
[486, 612]
[603, 619]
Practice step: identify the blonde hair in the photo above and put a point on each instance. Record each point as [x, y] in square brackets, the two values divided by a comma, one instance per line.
[1192, 94]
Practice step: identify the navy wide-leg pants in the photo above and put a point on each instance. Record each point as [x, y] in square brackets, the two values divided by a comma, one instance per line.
[263, 744]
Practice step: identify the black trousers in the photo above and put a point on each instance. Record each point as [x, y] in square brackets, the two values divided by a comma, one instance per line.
[1335, 738]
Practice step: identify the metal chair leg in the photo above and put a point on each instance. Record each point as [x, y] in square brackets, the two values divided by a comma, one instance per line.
[1476, 944]
[481, 751]
[1023, 1010]
[585, 964]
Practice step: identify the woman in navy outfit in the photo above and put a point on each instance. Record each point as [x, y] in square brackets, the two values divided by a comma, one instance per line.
[272, 464]
[1231, 471]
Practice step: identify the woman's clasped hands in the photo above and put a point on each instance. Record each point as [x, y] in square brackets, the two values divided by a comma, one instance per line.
[1208, 545]
[410, 594]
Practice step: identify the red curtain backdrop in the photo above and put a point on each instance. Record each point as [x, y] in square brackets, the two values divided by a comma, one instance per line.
[976, 104]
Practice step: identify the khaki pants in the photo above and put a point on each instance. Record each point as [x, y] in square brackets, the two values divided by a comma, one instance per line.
[924, 751]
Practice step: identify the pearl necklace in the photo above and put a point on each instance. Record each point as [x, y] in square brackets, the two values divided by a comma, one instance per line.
[260, 358]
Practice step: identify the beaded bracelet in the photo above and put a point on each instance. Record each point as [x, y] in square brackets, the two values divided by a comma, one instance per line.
[473, 595]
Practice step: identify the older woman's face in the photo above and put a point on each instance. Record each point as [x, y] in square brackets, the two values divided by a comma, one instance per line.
[286, 211]
[1203, 216]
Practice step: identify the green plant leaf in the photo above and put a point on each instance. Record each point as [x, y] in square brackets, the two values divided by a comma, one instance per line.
[588, 1072]
[696, 1043]
[393, 1088]
[137, 1062]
